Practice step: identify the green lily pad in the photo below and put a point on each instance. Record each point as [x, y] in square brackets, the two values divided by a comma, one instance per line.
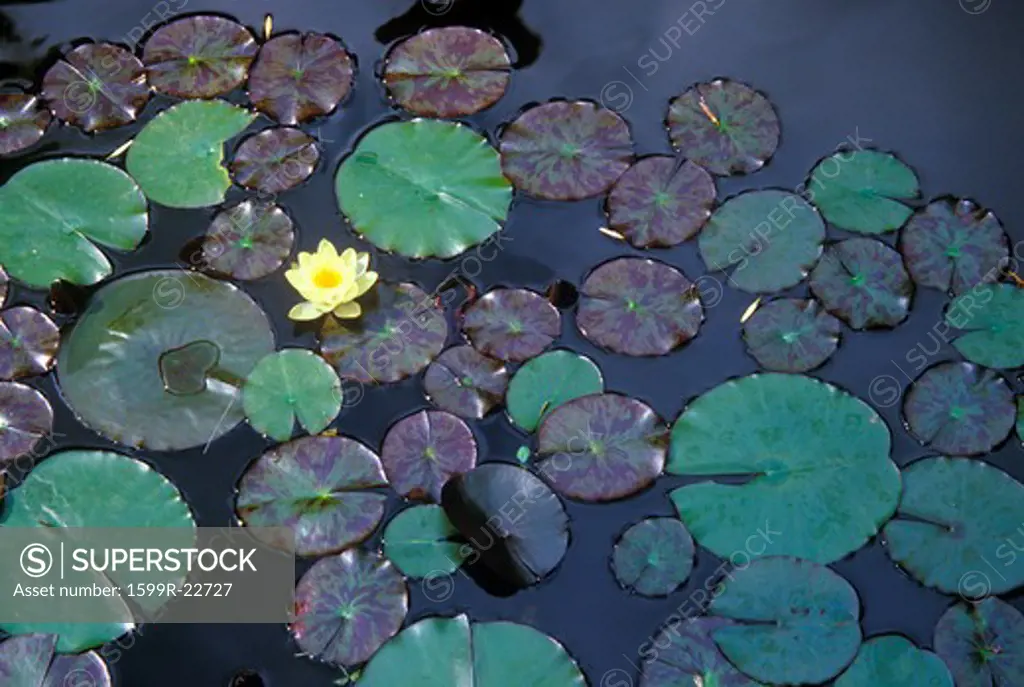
[511, 324]
[816, 457]
[442, 652]
[249, 240]
[23, 121]
[465, 382]
[770, 238]
[29, 661]
[992, 316]
[289, 386]
[894, 661]
[422, 542]
[422, 451]
[862, 191]
[791, 335]
[424, 188]
[25, 418]
[275, 160]
[177, 158]
[687, 656]
[982, 643]
[201, 56]
[28, 343]
[548, 381]
[53, 213]
[863, 282]
[653, 557]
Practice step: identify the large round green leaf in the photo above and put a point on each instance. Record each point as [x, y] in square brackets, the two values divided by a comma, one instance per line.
[816, 457]
[548, 381]
[289, 386]
[983, 643]
[993, 317]
[862, 191]
[892, 661]
[53, 213]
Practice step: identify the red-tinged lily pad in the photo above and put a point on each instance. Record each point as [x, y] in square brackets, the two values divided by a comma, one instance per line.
[23, 121]
[25, 418]
[638, 307]
[954, 245]
[464, 382]
[602, 447]
[275, 160]
[199, 57]
[653, 557]
[687, 656]
[863, 282]
[297, 77]
[31, 661]
[28, 343]
[318, 488]
[447, 72]
[512, 324]
[347, 606]
[400, 331]
[960, 409]
[249, 240]
[724, 126]
[97, 86]
[791, 335]
[566, 150]
[661, 202]
[982, 643]
[423, 451]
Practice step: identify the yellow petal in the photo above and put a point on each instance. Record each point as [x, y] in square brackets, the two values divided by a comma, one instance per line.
[364, 283]
[348, 260]
[305, 259]
[362, 263]
[303, 312]
[326, 248]
[348, 311]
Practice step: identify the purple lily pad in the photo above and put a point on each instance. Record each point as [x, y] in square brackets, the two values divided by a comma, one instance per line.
[447, 72]
[275, 160]
[566, 150]
[512, 324]
[954, 245]
[863, 282]
[791, 335]
[199, 57]
[28, 343]
[982, 643]
[97, 86]
[423, 451]
[23, 121]
[465, 382]
[654, 556]
[249, 240]
[297, 77]
[30, 661]
[658, 202]
[602, 447]
[724, 126]
[317, 488]
[25, 418]
[687, 655]
[638, 307]
[960, 409]
[400, 331]
[347, 606]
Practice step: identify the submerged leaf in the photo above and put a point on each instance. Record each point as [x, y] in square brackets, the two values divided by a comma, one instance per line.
[982, 643]
[201, 56]
[23, 121]
[992, 317]
[97, 86]
[275, 160]
[423, 451]
[512, 324]
[791, 335]
[687, 656]
[25, 418]
[653, 557]
[29, 661]
[547, 382]
[28, 343]
[862, 191]
[422, 542]
[894, 661]
[465, 382]
[290, 386]
[863, 282]
[249, 240]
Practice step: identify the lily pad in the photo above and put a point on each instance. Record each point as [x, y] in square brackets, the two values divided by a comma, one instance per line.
[423, 451]
[894, 661]
[249, 240]
[28, 343]
[202, 56]
[4, 286]
[512, 324]
[177, 158]
[771, 238]
[275, 160]
[297, 77]
[547, 382]
[348, 606]
[25, 418]
[954, 245]
[818, 464]
[29, 661]
[566, 150]
[960, 409]
[400, 331]
[602, 447]
[423, 188]
[97, 86]
[797, 622]
[54, 212]
[638, 307]
[23, 121]
[422, 542]
[288, 386]
[660, 202]
[791, 335]
[863, 190]
[982, 643]
[319, 488]
[864, 283]
[686, 656]
[158, 359]
[992, 316]
[653, 557]
[465, 382]
[724, 126]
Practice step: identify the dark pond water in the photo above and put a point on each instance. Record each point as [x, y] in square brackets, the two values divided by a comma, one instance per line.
[930, 81]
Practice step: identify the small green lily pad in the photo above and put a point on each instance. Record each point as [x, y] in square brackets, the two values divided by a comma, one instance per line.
[992, 317]
[422, 542]
[863, 282]
[275, 160]
[28, 342]
[201, 56]
[25, 418]
[548, 381]
[290, 386]
[465, 382]
[685, 655]
[863, 191]
[248, 241]
[791, 335]
[894, 661]
[23, 121]
[422, 451]
[30, 661]
[511, 324]
[982, 643]
[653, 557]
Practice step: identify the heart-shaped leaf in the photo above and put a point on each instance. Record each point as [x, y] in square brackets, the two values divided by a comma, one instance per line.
[863, 190]
[687, 656]
[653, 557]
[28, 343]
[791, 335]
[23, 121]
[423, 543]
[894, 661]
[982, 643]
[97, 86]
[547, 382]
[465, 382]
[29, 661]
[275, 160]
[25, 418]
[249, 240]
[290, 386]
[423, 451]
[992, 315]
[864, 283]
[201, 56]
[511, 324]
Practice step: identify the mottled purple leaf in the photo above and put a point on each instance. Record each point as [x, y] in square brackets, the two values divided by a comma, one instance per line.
[347, 606]
[511, 324]
[97, 86]
[23, 121]
[685, 655]
[791, 335]
[566, 150]
[83, 670]
[201, 56]
[423, 451]
[447, 72]
[465, 382]
[28, 343]
[275, 160]
[25, 418]
[297, 77]
[29, 661]
[960, 409]
[638, 307]
[249, 240]
[982, 643]
[317, 487]
[653, 557]
[724, 126]
[863, 282]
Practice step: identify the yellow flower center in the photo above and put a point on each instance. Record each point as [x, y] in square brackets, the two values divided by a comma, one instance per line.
[327, 278]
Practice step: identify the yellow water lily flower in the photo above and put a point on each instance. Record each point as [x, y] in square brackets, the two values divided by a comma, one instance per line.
[329, 282]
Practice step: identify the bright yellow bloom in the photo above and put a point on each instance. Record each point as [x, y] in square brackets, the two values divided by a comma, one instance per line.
[330, 282]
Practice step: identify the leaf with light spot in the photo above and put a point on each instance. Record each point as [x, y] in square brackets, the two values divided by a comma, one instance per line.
[23, 121]
[465, 382]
